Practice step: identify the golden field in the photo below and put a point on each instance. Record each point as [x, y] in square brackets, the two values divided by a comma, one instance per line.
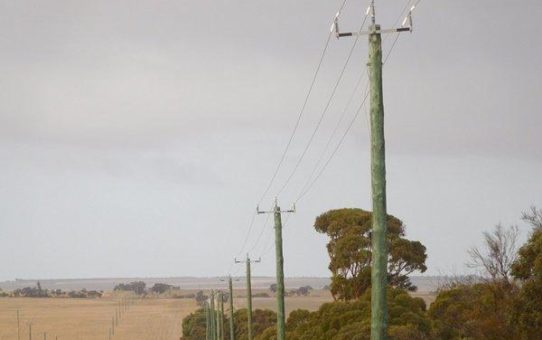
[147, 319]
[90, 319]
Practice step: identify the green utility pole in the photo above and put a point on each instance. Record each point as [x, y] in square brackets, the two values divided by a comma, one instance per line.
[18, 326]
[248, 261]
[379, 265]
[213, 326]
[207, 326]
[249, 298]
[281, 319]
[221, 317]
[232, 331]
[280, 274]
[379, 270]
[218, 325]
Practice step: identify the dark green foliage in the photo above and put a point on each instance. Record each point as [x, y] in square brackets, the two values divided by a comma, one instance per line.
[35, 292]
[261, 319]
[351, 319]
[497, 309]
[194, 327]
[201, 298]
[528, 268]
[138, 287]
[350, 254]
[194, 324]
[161, 288]
[478, 311]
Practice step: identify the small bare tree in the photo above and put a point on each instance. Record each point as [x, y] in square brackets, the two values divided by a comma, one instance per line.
[500, 251]
[533, 217]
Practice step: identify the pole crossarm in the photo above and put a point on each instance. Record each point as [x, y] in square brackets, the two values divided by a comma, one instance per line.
[274, 211]
[374, 30]
[381, 31]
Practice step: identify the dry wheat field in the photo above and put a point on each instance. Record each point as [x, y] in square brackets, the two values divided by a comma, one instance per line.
[90, 319]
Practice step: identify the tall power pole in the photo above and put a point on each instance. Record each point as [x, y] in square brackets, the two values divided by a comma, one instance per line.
[379, 259]
[281, 318]
[232, 331]
[248, 261]
[379, 268]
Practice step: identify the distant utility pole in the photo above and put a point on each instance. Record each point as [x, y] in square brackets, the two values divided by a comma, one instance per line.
[207, 328]
[249, 292]
[378, 170]
[18, 326]
[29, 331]
[213, 316]
[221, 317]
[281, 318]
[217, 314]
[232, 331]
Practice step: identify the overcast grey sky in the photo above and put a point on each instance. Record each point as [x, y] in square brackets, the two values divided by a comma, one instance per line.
[136, 137]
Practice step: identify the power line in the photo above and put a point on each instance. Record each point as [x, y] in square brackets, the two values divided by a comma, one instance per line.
[300, 114]
[306, 189]
[323, 114]
[303, 193]
[332, 136]
[248, 233]
[264, 227]
[296, 126]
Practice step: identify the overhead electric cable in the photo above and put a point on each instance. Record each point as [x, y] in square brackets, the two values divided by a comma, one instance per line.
[303, 193]
[323, 114]
[300, 114]
[335, 130]
[307, 189]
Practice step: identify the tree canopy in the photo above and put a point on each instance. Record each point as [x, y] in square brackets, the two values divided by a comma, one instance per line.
[349, 249]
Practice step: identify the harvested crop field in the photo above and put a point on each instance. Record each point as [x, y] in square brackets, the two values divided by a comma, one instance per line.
[91, 319]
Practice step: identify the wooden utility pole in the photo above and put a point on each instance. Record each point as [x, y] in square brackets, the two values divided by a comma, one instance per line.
[379, 264]
[221, 316]
[379, 268]
[281, 317]
[207, 326]
[18, 326]
[213, 313]
[232, 331]
[249, 293]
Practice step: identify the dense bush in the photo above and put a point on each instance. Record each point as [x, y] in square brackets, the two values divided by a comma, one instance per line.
[351, 319]
[138, 287]
[194, 325]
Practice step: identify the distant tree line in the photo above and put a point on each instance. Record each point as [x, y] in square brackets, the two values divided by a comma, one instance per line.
[39, 292]
[301, 291]
[140, 288]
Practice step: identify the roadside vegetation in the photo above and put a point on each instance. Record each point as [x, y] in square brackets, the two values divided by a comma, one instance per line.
[502, 301]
